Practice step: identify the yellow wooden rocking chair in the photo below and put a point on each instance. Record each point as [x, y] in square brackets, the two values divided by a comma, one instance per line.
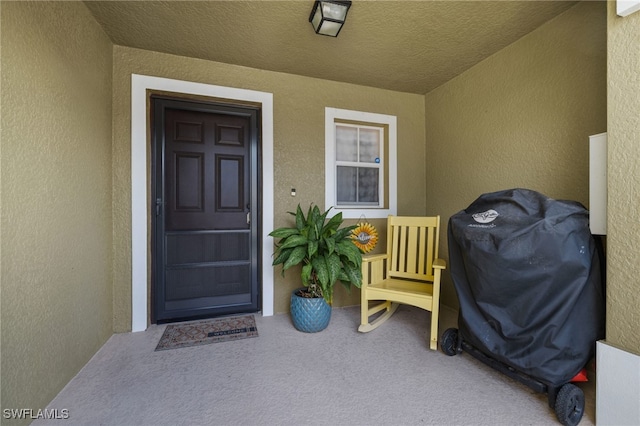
[409, 273]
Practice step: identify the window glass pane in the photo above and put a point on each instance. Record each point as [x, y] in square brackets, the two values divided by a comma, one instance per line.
[368, 179]
[347, 181]
[360, 163]
[346, 143]
[369, 145]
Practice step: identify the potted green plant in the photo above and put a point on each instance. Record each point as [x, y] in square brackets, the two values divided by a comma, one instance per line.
[327, 255]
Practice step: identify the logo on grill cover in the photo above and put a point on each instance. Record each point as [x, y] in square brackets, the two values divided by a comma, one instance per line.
[486, 217]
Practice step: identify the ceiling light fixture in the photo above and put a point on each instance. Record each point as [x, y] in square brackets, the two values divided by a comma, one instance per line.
[327, 17]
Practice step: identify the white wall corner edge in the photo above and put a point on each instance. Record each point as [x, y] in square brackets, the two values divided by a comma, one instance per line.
[627, 7]
[617, 386]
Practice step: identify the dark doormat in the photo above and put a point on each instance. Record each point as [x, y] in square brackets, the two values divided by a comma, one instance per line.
[207, 331]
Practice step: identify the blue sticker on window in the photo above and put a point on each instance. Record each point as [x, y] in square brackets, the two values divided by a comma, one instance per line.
[377, 160]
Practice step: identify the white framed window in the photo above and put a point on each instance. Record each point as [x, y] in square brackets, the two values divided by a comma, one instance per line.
[360, 163]
[359, 166]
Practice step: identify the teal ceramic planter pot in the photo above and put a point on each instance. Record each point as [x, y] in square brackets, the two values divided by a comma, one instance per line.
[309, 315]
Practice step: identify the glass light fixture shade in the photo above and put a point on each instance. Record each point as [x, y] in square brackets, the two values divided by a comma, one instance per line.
[327, 17]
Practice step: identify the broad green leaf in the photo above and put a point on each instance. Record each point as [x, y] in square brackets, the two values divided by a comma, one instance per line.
[333, 223]
[281, 256]
[306, 274]
[354, 274]
[296, 256]
[300, 220]
[312, 233]
[322, 272]
[331, 245]
[312, 215]
[283, 232]
[293, 241]
[315, 222]
[342, 233]
[312, 248]
[321, 221]
[334, 265]
[328, 296]
[350, 251]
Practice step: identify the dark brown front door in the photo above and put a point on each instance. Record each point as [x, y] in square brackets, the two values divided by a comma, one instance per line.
[206, 202]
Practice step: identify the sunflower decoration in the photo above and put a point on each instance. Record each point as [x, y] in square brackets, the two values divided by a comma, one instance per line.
[365, 237]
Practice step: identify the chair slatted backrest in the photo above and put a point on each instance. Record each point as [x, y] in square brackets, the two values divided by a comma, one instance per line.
[412, 244]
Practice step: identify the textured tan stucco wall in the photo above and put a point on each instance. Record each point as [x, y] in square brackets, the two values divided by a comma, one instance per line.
[623, 137]
[299, 104]
[521, 118]
[56, 197]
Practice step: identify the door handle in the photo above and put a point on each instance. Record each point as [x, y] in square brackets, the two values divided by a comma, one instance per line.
[248, 218]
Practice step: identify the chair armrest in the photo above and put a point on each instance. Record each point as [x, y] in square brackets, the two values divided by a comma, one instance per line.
[439, 263]
[374, 257]
[373, 268]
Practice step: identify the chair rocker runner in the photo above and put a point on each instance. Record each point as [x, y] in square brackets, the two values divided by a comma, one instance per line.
[408, 273]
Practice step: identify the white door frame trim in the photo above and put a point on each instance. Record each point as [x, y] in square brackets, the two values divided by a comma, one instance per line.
[139, 180]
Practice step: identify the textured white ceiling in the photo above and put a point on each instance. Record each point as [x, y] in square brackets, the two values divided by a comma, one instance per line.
[408, 46]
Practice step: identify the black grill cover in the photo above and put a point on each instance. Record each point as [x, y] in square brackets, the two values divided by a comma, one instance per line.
[527, 273]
